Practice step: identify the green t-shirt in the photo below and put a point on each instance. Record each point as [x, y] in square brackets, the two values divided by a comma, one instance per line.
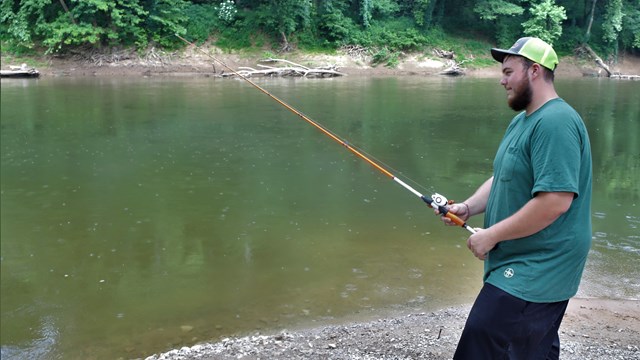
[547, 151]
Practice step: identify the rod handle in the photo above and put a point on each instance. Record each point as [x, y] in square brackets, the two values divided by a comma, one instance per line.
[453, 217]
[444, 211]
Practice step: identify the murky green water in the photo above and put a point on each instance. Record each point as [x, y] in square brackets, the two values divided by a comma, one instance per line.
[140, 215]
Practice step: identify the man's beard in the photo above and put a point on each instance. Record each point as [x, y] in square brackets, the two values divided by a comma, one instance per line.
[521, 97]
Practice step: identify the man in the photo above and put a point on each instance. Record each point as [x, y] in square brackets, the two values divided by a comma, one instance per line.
[537, 229]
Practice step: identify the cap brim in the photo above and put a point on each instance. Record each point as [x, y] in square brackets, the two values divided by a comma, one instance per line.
[499, 54]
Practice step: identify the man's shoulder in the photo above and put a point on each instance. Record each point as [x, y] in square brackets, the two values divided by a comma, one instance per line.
[558, 113]
[559, 106]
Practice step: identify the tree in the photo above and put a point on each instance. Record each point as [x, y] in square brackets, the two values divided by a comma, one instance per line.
[593, 12]
[506, 17]
[17, 19]
[422, 11]
[283, 17]
[546, 21]
[493, 9]
[612, 24]
[366, 7]
[630, 35]
[166, 17]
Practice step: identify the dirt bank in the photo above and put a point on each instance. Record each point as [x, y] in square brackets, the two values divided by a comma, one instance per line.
[194, 62]
[592, 329]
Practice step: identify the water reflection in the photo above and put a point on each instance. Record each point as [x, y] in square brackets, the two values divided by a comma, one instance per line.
[41, 343]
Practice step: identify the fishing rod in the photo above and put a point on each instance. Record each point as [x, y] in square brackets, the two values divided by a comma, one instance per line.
[436, 201]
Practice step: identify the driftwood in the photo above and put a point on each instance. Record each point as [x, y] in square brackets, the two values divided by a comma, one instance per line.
[625, 77]
[22, 71]
[597, 59]
[611, 74]
[357, 52]
[444, 54]
[291, 69]
[453, 68]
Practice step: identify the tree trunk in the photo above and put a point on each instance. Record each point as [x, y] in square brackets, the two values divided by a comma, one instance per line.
[66, 9]
[597, 59]
[593, 10]
[285, 43]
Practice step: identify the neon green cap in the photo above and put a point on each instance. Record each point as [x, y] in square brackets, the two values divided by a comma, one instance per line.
[531, 48]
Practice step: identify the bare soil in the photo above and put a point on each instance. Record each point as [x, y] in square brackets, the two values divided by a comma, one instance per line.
[197, 62]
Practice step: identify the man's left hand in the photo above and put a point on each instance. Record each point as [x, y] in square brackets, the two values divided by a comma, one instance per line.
[481, 243]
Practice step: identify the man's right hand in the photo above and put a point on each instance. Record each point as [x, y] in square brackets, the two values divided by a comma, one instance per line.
[460, 210]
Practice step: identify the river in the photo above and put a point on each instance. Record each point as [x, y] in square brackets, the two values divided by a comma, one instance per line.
[139, 215]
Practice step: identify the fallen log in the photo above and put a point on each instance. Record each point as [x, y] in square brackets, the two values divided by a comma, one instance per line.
[292, 69]
[610, 74]
[597, 59]
[625, 77]
[444, 54]
[453, 69]
[22, 71]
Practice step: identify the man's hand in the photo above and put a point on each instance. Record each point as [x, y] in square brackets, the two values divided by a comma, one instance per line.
[481, 243]
[461, 210]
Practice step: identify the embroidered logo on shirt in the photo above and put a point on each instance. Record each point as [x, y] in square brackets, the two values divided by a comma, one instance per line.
[508, 273]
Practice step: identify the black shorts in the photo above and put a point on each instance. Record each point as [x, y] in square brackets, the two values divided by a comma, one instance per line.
[502, 326]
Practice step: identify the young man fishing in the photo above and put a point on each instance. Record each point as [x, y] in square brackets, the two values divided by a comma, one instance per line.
[537, 205]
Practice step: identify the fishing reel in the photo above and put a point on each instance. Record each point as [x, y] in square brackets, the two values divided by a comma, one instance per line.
[440, 200]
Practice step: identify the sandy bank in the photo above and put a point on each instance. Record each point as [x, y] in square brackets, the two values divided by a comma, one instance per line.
[592, 329]
[193, 62]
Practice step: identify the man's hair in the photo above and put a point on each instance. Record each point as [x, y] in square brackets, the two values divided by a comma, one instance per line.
[547, 74]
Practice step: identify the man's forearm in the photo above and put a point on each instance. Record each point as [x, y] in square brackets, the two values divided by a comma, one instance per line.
[477, 203]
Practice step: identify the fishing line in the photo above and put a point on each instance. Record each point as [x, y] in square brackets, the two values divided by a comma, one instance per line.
[436, 201]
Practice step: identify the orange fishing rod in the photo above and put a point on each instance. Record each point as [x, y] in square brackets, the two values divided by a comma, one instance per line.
[436, 201]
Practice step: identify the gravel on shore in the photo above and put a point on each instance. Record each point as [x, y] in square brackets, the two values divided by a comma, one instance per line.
[592, 329]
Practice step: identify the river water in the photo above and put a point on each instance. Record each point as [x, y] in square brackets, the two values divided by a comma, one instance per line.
[139, 215]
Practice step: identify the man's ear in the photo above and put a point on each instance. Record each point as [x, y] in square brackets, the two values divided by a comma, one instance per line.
[536, 70]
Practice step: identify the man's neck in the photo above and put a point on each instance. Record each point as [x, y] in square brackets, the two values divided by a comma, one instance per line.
[541, 97]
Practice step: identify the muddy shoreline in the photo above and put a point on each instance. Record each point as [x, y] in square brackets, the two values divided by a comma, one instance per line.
[195, 62]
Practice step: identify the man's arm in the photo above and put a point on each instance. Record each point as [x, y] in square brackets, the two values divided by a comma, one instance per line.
[535, 215]
[476, 204]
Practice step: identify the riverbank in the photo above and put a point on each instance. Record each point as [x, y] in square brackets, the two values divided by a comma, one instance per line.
[592, 329]
[194, 62]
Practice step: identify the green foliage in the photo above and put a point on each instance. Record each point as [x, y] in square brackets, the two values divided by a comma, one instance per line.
[492, 9]
[227, 11]
[334, 25]
[546, 21]
[630, 36]
[17, 21]
[387, 57]
[166, 18]
[506, 17]
[398, 34]
[60, 33]
[421, 11]
[612, 24]
[366, 7]
[392, 26]
[384, 9]
[201, 21]
[244, 33]
[571, 36]
[11, 50]
[282, 17]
